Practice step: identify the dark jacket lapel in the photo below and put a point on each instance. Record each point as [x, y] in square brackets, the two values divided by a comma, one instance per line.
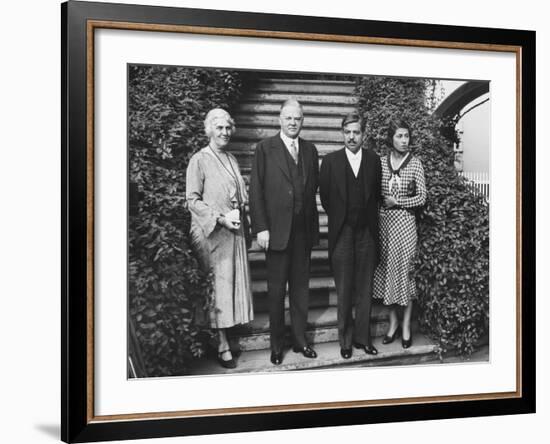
[279, 155]
[368, 174]
[340, 173]
[305, 154]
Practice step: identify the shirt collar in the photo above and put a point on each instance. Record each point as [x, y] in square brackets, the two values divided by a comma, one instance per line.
[287, 140]
[354, 157]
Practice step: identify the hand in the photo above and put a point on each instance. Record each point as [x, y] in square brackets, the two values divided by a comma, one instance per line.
[263, 239]
[232, 225]
[390, 201]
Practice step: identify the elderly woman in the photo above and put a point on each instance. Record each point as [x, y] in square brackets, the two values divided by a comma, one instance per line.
[216, 195]
[403, 190]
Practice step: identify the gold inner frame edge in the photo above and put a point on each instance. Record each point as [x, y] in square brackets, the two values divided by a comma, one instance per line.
[121, 25]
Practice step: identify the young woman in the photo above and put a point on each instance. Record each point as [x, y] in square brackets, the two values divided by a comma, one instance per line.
[403, 190]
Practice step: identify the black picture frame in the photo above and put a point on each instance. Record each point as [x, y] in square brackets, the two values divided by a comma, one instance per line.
[78, 423]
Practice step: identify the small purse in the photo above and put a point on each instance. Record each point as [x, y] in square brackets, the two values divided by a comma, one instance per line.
[246, 227]
[411, 188]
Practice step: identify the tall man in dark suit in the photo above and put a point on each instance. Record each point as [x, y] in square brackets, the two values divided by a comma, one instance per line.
[350, 192]
[284, 215]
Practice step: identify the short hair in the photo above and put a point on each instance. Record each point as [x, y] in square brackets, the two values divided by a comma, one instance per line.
[354, 118]
[393, 126]
[217, 113]
[291, 102]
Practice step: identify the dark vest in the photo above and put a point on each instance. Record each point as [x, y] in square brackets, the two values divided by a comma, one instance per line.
[297, 178]
[356, 207]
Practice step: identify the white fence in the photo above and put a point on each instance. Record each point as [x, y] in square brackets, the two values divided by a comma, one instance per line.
[478, 183]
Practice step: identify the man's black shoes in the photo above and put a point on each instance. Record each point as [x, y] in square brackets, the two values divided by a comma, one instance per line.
[307, 351]
[346, 353]
[276, 358]
[369, 349]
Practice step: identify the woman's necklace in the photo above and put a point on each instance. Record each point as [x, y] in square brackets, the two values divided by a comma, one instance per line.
[232, 173]
[216, 151]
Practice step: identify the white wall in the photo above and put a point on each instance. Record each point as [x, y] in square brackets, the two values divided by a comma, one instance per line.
[445, 88]
[476, 140]
[29, 225]
[474, 129]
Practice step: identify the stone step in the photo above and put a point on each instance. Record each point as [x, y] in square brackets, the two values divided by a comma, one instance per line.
[333, 136]
[317, 269]
[304, 88]
[323, 235]
[323, 231]
[310, 99]
[257, 254]
[243, 149]
[320, 210]
[272, 121]
[245, 166]
[245, 160]
[422, 351]
[310, 109]
[320, 267]
[318, 317]
[315, 283]
[323, 223]
[307, 81]
[322, 327]
[318, 298]
[245, 170]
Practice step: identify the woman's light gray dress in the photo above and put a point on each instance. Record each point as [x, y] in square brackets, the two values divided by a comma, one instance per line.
[213, 190]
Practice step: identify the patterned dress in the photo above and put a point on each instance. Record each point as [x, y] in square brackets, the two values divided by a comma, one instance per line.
[215, 187]
[398, 238]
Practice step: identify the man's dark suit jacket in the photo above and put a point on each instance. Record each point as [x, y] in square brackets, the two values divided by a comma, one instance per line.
[271, 192]
[332, 183]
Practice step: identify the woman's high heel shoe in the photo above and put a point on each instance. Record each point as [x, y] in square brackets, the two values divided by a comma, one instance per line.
[389, 339]
[230, 363]
[406, 343]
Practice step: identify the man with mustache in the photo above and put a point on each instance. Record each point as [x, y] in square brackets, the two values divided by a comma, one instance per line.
[350, 192]
[283, 210]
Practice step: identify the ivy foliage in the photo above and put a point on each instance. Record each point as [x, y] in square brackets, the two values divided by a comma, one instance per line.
[169, 293]
[452, 269]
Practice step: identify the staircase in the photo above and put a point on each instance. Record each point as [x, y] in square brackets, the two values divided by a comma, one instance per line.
[325, 102]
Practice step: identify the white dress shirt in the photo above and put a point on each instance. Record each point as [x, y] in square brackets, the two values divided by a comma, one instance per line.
[287, 141]
[354, 160]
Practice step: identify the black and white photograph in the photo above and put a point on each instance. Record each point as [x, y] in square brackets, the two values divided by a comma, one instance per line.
[303, 221]
[280, 221]
[274, 222]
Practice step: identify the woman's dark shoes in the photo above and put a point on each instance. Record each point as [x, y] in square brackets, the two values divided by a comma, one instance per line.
[307, 351]
[276, 358]
[369, 349]
[406, 343]
[226, 363]
[346, 353]
[388, 339]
